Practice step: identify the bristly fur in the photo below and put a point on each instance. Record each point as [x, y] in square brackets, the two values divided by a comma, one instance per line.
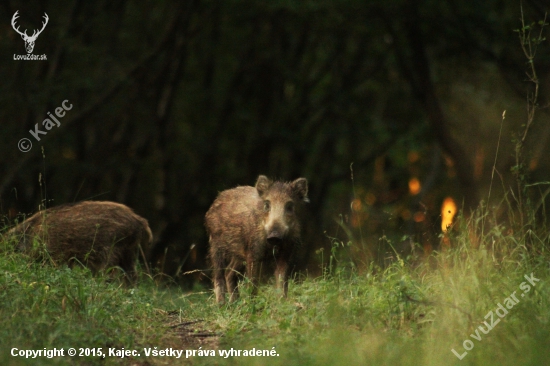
[97, 234]
[254, 228]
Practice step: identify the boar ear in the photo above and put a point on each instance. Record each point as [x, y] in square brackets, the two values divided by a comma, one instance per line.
[262, 184]
[299, 187]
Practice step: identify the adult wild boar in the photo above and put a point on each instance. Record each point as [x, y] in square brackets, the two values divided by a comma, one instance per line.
[97, 234]
[255, 228]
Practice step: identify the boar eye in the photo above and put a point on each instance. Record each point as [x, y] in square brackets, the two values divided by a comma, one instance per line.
[267, 206]
[289, 207]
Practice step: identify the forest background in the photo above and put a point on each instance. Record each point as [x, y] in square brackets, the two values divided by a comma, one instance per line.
[388, 108]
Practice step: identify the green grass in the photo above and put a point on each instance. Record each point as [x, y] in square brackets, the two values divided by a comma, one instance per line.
[406, 314]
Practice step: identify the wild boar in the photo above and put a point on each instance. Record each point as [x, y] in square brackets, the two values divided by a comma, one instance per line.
[255, 228]
[99, 235]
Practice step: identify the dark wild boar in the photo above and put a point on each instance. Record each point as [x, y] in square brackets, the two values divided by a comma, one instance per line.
[100, 235]
[259, 226]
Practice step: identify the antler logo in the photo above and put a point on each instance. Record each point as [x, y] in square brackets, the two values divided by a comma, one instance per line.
[29, 41]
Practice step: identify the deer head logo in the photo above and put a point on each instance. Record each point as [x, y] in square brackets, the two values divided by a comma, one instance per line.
[29, 40]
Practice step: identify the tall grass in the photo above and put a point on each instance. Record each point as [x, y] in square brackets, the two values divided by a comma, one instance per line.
[413, 312]
[406, 314]
[42, 306]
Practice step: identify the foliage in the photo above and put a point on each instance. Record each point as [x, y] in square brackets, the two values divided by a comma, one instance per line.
[407, 313]
[176, 101]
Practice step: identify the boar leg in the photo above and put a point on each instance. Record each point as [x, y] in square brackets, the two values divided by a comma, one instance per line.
[218, 261]
[232, 278]
[282, 272]
[253, 273]
[127, 261]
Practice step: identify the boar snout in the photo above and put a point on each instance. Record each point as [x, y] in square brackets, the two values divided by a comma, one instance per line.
[274, 241]
[276, 233]
[274, 237]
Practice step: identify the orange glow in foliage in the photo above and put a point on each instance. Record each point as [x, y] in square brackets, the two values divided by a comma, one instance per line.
[533, 164]
[370, 198]
[419, 216]
[448, 212]
[356, 205]
[413, 156]
[414, 186]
